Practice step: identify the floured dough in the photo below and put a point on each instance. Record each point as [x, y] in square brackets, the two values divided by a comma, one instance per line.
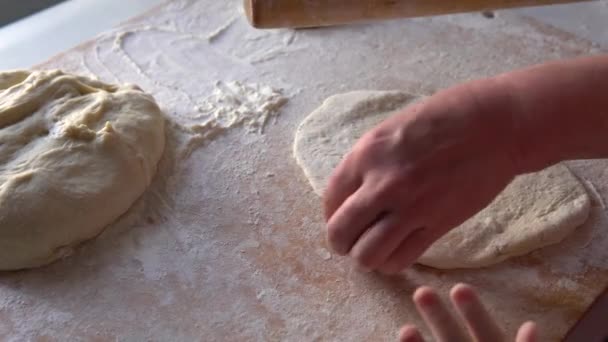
[535, 210]
[329, 132]
[75, 154]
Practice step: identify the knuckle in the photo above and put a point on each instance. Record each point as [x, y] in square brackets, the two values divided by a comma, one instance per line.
[374, 142]
[388, 185]
[361, 204]
[374, 134]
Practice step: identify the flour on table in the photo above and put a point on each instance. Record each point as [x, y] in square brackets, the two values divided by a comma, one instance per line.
[534, 211]
[234, 104]
[75, 153]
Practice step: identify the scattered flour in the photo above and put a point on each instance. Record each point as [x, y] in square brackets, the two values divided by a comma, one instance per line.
[235, 103]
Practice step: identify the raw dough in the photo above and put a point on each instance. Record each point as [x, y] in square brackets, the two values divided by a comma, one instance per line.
[75, 154]
[534, 211]
[329, 132]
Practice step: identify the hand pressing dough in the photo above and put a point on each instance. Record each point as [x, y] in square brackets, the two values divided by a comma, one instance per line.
[329, 132]
[534, 211]
[75, 154]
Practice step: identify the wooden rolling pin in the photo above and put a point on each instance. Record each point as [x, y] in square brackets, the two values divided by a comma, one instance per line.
[313, 13]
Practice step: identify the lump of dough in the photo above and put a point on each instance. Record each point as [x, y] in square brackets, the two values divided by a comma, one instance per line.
[75, 153]
[534, 211]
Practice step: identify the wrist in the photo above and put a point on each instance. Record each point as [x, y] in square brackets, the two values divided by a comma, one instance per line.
[508, 134]
[558, 111]
[529, 149]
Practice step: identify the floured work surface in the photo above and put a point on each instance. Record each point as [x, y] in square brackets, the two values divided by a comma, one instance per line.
[229, 240]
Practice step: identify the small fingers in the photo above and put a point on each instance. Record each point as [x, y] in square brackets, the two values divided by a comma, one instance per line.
[527, 333]
[439, 319]
[343, 182]
[410, 333]
[353, 218]
[479, 322]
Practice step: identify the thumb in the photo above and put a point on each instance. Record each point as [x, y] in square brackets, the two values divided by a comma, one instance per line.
[527, 333]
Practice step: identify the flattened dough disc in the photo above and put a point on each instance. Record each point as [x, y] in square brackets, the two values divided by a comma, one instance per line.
[534, 211]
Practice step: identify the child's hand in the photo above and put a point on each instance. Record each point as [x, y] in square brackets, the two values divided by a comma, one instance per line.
[444, 326]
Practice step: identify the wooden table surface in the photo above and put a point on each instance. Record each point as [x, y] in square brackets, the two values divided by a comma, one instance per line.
[228, 242]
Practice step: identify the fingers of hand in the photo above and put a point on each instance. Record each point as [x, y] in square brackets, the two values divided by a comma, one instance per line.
[408, 251]
[442, 323]
[410, 333]
[353, 218]
[376, 245]
[480, 324]
[343, 183]
[527, 333]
